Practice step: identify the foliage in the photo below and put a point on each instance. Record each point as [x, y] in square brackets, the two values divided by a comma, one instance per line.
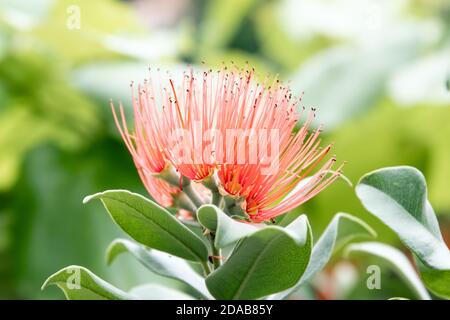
[271, 261]
[57, 143]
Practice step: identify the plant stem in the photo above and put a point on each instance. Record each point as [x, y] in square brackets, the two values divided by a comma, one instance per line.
[211, 183]
[170, 176]
[216, 199]
[191, 193]
[206, 268]
[233, 206]
[182, 201]
[216, 252]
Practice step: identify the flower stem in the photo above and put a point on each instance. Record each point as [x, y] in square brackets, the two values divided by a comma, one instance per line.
[216, 199]
[182, 201]
[191, 193]
[170, 176]
[211, 183]
[216, 252]
[233, 206]
[206, 268]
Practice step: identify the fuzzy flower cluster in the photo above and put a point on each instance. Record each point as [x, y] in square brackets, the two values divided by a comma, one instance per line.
[227, 131]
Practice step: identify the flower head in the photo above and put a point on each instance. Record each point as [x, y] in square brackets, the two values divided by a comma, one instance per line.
[275, 177]
[229, 123]
[160, 190]
[144, 146]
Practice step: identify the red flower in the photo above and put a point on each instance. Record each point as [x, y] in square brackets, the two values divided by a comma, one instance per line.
[227, 122]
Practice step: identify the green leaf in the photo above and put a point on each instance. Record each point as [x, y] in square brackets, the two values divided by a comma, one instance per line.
[48, 171]
[398, 197]
[267, 261]
[155, 291]
[341, 230]
[160, 263]
[152, 225]
[227, 230]
[396, 260]
[79, 283]
[437, 281]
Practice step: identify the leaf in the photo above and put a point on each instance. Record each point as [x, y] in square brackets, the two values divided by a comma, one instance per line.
[160, 263]
[396, 260]
[397, 196]
[437, 281]
[152, 225]
[341, 230]
[155, 291]
[79, 283]
[406, 136]
[48, 171]
[267, 261]
[227, 230]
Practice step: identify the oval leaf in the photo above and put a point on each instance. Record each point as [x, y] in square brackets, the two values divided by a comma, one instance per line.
[396, 260]
[160, 263]
[267, 261]
[152, 225]
[79, 283]
[341, 230]
[227, 230]
[397, 196]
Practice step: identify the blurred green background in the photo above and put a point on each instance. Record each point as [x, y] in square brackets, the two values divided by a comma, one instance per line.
[377, 70]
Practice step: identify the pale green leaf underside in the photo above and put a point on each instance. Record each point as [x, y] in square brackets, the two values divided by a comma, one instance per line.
[226, 229]
[152, 225]
[341, 230]
[397, 196]
[78, 283]
[396, 260]
[160, 263]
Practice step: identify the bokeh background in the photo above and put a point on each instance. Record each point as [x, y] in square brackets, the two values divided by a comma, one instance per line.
[378, 71]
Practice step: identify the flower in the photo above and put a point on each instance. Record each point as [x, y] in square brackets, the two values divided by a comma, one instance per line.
[160, 190]
[151, 148]
[274, 182]
[181, 121]
[144, 147]
[144, 143]
[229, 123]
